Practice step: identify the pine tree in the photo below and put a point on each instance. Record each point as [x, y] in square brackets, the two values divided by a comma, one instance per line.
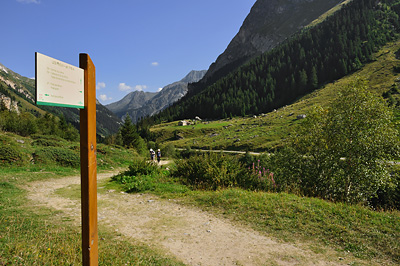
[128, 132]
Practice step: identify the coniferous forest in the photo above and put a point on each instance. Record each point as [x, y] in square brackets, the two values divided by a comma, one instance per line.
[341, 44]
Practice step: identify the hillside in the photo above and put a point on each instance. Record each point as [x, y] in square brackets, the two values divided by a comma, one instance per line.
[19, 91]
[269, 23]
[334, 48]
[268, 131]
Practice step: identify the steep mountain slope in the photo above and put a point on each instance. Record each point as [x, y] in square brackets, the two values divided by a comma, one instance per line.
[140, 104]
[332, 49]
[268, 24]
[19, 91]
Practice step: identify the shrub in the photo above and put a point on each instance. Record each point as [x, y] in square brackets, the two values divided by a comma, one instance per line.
[210, 171]
[144, 176]
[142, 167]
[187, 153]
[60, 156]
[47, 137]
[339, 153]
[139, 183]
[168, 151]
[46, 143]
[259, 178]
[10, 154]
[388, 196]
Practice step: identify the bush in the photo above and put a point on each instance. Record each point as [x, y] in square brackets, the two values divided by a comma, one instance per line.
[10, 154]
[46, 143]
[339, 153]
[258, 178]
[142, 167]
[388, 196]
[210, 171]
[47, 137]
[60, 156]
[138, 183]
[187, 153]
[145, 176]
[168, 151]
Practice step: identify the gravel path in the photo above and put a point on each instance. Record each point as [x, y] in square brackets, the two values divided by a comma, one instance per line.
[191, 235]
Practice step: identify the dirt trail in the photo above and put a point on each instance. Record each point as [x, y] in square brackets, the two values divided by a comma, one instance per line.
[189, 234]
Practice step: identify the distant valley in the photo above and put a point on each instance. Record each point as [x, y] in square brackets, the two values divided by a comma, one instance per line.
[140, 104]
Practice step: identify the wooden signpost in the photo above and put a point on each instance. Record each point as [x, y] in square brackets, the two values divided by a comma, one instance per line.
[89, 165]
[61, 84]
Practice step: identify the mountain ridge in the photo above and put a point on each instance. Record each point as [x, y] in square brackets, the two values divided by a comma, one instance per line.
[320, 54]
[268, 24]
[139, 104]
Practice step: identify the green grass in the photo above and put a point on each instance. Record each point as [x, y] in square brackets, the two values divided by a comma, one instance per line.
[32, 235]
[40, 236]
[269, 131]
[372, 237]
[366, 236]
[52, 152]
[365, 233]
[35, 235]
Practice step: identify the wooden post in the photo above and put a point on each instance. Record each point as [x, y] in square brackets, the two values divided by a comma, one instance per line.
[89, 165]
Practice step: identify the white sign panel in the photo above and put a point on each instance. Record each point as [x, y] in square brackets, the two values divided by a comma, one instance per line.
[58, 83]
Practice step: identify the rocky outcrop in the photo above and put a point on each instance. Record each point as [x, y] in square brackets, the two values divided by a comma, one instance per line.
[9, 103]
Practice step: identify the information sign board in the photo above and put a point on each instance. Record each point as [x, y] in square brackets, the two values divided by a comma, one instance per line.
[58, 83]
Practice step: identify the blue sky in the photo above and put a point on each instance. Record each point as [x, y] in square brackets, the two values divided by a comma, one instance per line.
[134, 44]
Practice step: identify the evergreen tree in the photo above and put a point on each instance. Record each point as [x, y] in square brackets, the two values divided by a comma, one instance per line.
[342, 43]
[128, 132]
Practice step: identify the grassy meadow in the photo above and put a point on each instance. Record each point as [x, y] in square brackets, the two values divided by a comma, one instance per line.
[35, 235]
[266, 132]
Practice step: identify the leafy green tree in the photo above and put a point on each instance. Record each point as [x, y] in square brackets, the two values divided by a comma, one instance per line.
[340, 152]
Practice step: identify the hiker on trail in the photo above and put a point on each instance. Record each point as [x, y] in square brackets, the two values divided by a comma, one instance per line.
[158, 155]
[152, 154]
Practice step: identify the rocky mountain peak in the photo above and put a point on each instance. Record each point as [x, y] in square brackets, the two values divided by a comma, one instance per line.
[268, 23]
[140, 104]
